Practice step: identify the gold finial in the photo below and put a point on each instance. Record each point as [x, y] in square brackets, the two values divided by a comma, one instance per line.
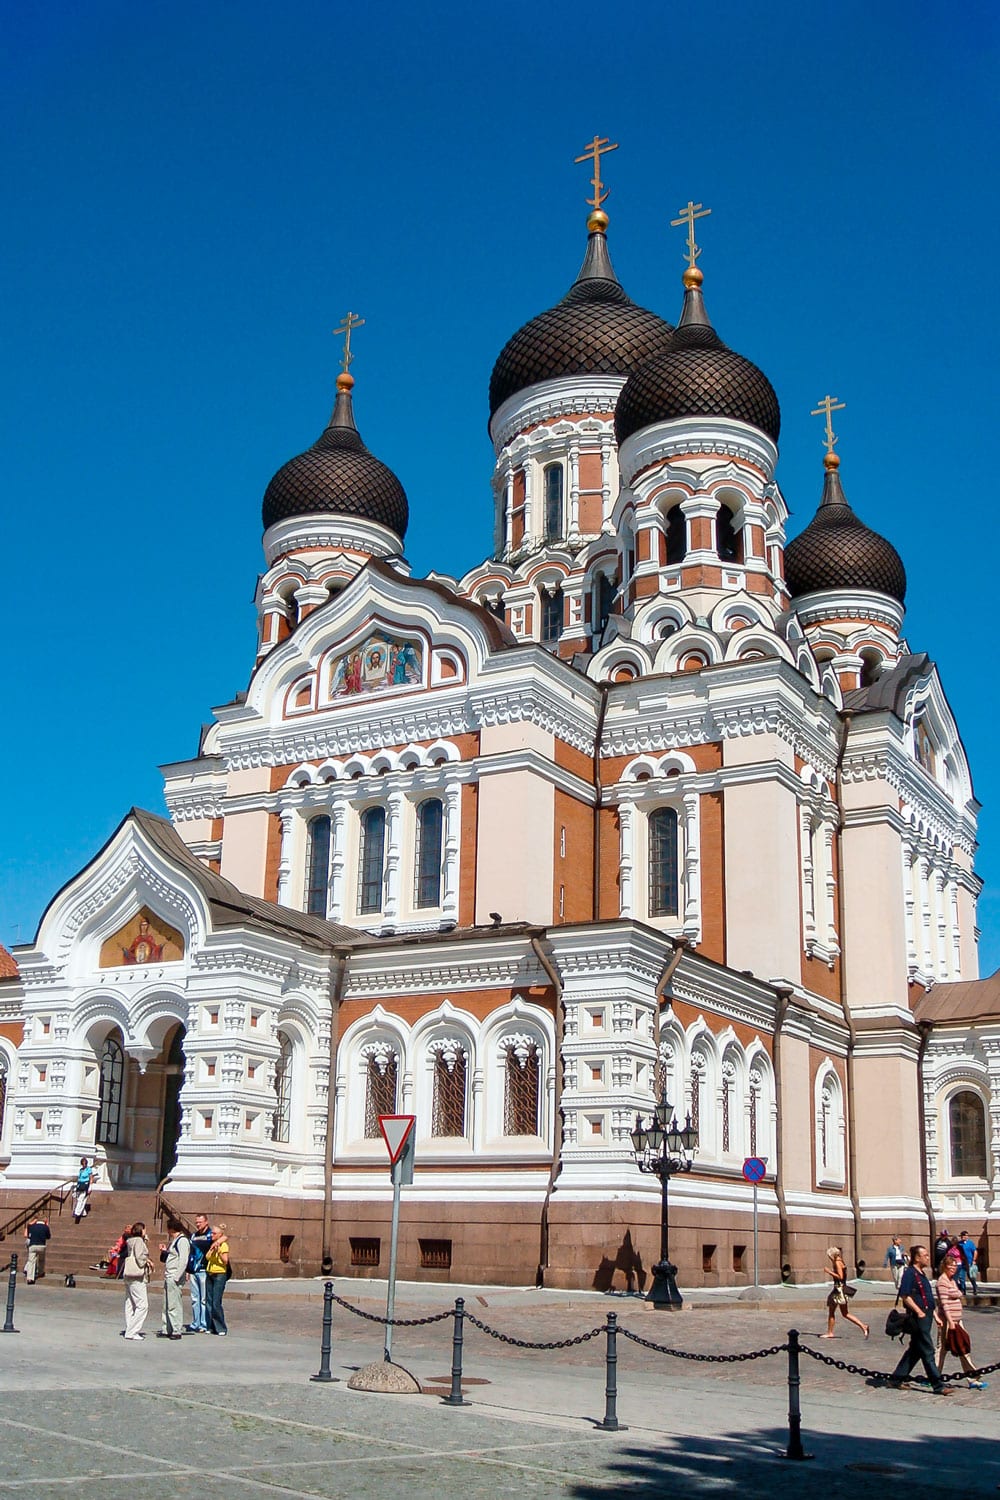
[687, 216]
[599, 146]
[826, 408]
[346, 326]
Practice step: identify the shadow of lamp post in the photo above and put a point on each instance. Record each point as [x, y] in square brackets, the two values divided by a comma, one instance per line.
[664, 1148]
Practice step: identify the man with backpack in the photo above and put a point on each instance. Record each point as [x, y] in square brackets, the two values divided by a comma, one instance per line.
[174, 1255]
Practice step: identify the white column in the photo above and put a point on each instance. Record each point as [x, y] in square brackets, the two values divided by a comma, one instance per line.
[924, 914]
[508, 533]
[573, 529]
[626, 819]
[690, 853]
[808, 888]
[526, 471]
[452, 825]
[393, 853]
[909, 907]
[338, 840]
[607, 499]
[285, 860]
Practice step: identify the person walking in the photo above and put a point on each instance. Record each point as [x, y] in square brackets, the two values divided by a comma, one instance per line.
[917, 1297]
[201, 1242]
[941, 1247]
[895, 1259]
[174, 1255]
[840, 1292]
[135, 1274]
[37, 1235]
[81, 1192]
[971, 1257]
[216, 1276]
[953, 1336]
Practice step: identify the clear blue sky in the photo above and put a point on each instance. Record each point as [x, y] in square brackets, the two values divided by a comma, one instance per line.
[194, 195]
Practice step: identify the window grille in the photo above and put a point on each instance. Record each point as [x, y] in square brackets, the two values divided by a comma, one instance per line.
[695, 1097]
[427, 881]
[372, 861]
[435, 1255]
[365, 1252]
[520, 1095]
[281, 1120]
[552, 617]
[967, 1119]
[380, 1090]
[726, 1092]
[553, 502]
[318, 866]
[448, 1107]
[109, 1109]
[663, 871]
[754, 1098]
[826, 1109]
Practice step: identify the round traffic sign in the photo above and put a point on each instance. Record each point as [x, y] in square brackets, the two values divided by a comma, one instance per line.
[754, 1169]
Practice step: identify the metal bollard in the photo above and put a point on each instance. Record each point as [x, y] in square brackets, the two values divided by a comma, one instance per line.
[795, 1449]
[324, 1376]
[8, 1326]
[454, 1398]
[611, 1422]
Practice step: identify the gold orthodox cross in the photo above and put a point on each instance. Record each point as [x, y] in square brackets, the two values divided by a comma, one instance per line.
[346, 327]
[599, 146]
[827, 407]
[688, 216]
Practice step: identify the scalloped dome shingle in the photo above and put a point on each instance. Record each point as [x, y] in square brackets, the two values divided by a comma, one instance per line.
[837, 551]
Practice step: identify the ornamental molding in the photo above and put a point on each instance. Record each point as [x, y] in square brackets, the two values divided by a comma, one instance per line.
[338, 532]
[827, 605]
[412, 977]
[712, 436]
[378, 731]
[571, 396]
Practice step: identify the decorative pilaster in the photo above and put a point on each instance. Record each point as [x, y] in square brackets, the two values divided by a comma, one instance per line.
[452, 826]
[573, 531]
[626, 820]
[338, 840]
[285, 859]
[393, 853]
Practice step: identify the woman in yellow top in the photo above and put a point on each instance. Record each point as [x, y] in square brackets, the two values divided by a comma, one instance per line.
[216, 1276]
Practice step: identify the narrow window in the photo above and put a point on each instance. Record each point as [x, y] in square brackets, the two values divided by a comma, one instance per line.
[967, 1119]
[448, 1106]
[552, 617]
[695, 1096]
[727, 1088]
[676, 535]
[663, 873]
[380, 1088]
[728, 541]
[553, 502]
[282, 1117]
[3, 1091]
[605, 602]
[430, 821]
[755, 1087]
[318, 866]
[372, 860]
[520, 1095]
[110, 1108]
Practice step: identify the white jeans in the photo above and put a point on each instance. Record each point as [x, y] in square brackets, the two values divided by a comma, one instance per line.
[136, 1304]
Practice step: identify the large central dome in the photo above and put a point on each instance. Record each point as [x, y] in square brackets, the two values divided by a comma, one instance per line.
[595, 330]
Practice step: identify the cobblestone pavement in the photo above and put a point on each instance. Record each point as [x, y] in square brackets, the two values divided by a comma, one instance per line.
[80, 1411]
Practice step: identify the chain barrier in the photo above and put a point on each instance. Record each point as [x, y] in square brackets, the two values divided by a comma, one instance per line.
[393, 1322]
[842, 1364]
[506, 1338]
[703, 1359]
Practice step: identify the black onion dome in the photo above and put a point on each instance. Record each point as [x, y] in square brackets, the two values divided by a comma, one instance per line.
[836, 551]
[697, 376]
[595, 330]
[338, 476]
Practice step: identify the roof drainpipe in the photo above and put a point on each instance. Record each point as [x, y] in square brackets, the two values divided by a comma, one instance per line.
[598, 798]
[663, 992]
[784, 993]
[926, 1027]
[548, 965]
[852, 1135]
[339, 960]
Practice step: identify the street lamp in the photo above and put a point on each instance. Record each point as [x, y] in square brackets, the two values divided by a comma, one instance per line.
[663, 1147]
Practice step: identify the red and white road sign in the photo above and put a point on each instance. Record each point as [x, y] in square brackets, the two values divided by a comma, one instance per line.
[395, 1132]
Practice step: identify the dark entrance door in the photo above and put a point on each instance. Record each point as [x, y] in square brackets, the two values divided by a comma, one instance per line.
[174, 1079]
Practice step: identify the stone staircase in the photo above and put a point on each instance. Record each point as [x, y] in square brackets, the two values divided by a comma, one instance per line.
[77, 1248]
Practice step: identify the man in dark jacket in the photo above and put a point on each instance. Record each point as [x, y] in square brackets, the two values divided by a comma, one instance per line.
[37, 1235]
[917, 1296]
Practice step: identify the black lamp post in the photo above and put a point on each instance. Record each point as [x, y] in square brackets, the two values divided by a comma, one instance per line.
[663, 1147]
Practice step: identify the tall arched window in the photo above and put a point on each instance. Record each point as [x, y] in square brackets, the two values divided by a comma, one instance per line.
[371, 864]
[4, 1076]
[552, 617]
[520, 1089]
[448, 1102]
[281, 1120]
[967, 1123]
[427, 882]
[728, 539]
[109, 1110]
[381, 1072]
[663, 863]
[553, 502]
[318, 866]
[677, 535]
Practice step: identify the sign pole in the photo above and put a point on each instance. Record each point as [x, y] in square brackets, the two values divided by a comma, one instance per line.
[754, 1169]
[390, 1302]
[397, 1132]
[756, 1277]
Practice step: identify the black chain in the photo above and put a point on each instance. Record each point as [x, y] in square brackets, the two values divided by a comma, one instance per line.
[394, 1322]
[843, 1364]
[704, 1359]
[505, 1338]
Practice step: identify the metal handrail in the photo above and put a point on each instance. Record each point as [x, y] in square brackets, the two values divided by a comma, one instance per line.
[24, 1216]
[164, 1209]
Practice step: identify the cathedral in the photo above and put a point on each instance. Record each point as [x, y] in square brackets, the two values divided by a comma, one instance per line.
[652, 804]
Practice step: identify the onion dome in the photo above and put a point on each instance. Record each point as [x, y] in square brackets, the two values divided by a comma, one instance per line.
[595, 330]
[338, 476]
[697, 376]
[836, 551]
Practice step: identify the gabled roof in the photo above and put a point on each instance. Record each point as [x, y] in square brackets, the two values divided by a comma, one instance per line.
[888, 692]
[962, 1000]
[8, 964]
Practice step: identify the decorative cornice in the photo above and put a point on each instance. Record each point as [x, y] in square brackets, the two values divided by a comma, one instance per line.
[337, 532]
[849, 604]
[572, 396]
[713, 436]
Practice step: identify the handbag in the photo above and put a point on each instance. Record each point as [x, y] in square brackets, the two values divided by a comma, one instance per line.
[957, 1340]
[899, 1323]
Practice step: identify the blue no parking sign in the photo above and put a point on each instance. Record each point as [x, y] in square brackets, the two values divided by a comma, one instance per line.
[754, 1169]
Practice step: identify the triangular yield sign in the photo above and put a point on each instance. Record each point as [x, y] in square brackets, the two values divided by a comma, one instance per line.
[395, 1130]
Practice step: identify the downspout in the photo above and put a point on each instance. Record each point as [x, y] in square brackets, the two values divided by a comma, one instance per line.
[598, 798]
[852, 1135]
[926, 1027]
[784, 994]
[339, 960]
[552, 973]
[660, 993]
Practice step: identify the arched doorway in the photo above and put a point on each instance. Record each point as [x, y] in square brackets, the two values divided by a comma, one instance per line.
[173, 1081]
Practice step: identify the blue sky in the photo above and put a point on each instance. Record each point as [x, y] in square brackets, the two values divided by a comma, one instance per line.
[194, 195]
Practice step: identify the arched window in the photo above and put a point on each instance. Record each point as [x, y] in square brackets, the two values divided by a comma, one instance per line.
[4, 1076]
[552, 617]
[553, 502]
[372, 861]
[381, 1072]
[427, 882]
[728, 539]
[677, 539]
[967, 1122]
[109, 1110]
[830, 1127]
[604, 602]
[448, 1103]
[318, 866]
[520, 1087]
[663, 863]
[281, 1120]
